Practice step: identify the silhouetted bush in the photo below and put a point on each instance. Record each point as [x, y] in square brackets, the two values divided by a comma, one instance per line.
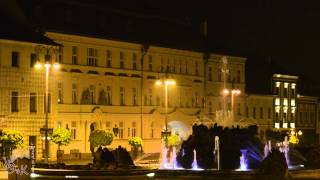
[273, 167]
[122, 157]
[232, 140]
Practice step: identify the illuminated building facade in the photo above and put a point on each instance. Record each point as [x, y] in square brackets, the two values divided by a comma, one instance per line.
[108, 82]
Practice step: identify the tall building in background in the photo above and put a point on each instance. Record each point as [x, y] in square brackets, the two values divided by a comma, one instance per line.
[285, 100]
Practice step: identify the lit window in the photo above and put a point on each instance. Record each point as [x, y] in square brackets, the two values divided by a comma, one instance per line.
[277, 102]
[293, 85]
[293, 103]
[277, 109]
[277, 84]
[277, 125]
[285, 85]
[285, 102]
[285, 125]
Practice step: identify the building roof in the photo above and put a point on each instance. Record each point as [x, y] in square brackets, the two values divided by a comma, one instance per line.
[100, 20]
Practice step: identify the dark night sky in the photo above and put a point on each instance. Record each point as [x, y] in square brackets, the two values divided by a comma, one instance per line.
[276, 36]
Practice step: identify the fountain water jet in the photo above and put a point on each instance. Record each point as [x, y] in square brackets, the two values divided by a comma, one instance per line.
[243, 160]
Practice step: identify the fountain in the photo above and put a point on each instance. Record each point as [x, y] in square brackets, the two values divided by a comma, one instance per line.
[174, 159]
[194, 163]
[217, 151]
[286, 150]
[164, 164]
[243, 160]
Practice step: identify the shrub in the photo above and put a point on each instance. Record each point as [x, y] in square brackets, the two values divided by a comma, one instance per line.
[274, 166]
[10, 140]
[61, 137]
[99, 138]
[135, 142]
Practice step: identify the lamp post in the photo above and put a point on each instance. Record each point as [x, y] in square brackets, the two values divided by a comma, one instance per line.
[166, 83]
[234, 92]
[46, 130]
[295, 134]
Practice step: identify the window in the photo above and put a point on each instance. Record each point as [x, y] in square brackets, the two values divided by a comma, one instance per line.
[247, 111]
[74, 94]
[134, 126]
[254, 113]
[109, 58]
[210, 73]
[210, 107]
[186, 67]
[150, 63]
[120, 133]
[109, 95]
[196, 68]
[219, 75]
[15, 59]
[60, 93]
[33, 60]
[47, 104]
[285, 92]
[261, 113]
[269, 113]
[60, 55]
[74, 56]
[239, 109]
[33, 102]
[134, 61]
[293, 94]
[152, 130]
[162, 64]
[134, 97]
[180, 66]
[92, 94]
[73, 130]
[174, 64]
[14, 101]
[150, 97]
[92, 54]
[145, 100]
[121, 60]
[122, 102]
[158, 101]
[238, 76]
[108, 126]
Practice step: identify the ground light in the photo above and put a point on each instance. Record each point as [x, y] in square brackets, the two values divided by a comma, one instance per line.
[150, 175]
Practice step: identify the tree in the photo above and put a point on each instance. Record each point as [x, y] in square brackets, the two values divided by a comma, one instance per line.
[10, 140]
[61, 137]
[99, 138]
[173, 140]
[135, 143]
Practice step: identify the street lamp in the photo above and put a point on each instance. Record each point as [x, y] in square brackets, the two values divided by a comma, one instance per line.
[234, 92]
[46, 130]
[166, 83]
[294, 136]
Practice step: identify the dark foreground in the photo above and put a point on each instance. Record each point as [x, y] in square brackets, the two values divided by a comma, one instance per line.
[163, 174]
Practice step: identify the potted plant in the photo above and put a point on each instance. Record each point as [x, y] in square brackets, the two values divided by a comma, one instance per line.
[135, 143]
[61, 137]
